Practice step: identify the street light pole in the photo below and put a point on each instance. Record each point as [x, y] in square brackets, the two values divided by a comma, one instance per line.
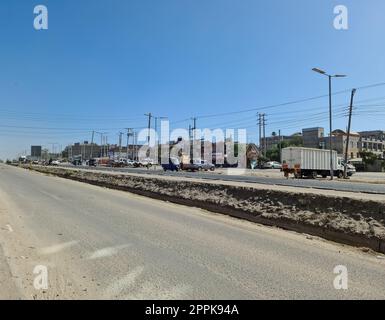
[330, 115]
[330, 129]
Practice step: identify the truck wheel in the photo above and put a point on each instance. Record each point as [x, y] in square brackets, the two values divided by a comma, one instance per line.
[340, 175]
[314, 175]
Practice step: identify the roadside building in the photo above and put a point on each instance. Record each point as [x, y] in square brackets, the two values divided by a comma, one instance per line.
[339, 140]
[116, 152]
[274, 140]
[36, 152]
[313, 137]
[84, 151]
[373, 141]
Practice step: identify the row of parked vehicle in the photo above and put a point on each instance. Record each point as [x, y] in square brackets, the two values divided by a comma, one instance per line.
[192, 165]
[174, 164]
[114, 163]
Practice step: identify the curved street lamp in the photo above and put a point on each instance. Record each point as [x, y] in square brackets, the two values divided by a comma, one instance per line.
[320, 71]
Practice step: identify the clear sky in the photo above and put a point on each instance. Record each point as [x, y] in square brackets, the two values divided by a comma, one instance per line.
[102, 64]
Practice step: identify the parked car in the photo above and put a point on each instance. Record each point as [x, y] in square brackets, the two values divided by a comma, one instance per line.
[77, 162]
[350, 168]
[132, 163]
[192, 165]
[173, 164]
[147, 162]
[272, 165]
[92, 162]
[205, 165]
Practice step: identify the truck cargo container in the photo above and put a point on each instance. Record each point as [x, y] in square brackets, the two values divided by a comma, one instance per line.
[307, 162]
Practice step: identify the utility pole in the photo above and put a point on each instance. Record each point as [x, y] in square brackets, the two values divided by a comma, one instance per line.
[101, 145]
[107, 147]
[149, 115]
[194, 127]
[193, 133]
[129, 133]
[134, 147]
[259, 122]
[128, 138]
[264, 134]
[260, 130]
[280, 146]
[190, 139]
[92, 144]
[120, 145]
[101, 142]
[156, 127]
[348, 136]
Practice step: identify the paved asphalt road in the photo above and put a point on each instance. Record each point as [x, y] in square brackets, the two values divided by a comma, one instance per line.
[101, 243]
[338, 185]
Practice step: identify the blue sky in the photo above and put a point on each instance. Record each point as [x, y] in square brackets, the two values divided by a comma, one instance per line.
[102, 64]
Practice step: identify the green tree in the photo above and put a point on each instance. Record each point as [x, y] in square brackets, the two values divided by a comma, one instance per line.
[368, 158]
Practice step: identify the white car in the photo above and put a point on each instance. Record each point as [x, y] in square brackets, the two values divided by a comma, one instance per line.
[272, 165]
[147, 162]
[131, 163]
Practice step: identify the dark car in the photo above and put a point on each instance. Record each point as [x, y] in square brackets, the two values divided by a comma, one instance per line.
[205, 165]
[192, 165]
[92, 162]
[77, 162]
[173, 165]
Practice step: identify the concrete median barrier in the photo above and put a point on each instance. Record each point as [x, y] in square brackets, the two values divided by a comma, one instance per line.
[346, 220]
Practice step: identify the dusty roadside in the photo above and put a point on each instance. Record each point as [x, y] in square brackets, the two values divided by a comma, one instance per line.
[20, 255]
[293, 189]
[349, 218]
[8, 288]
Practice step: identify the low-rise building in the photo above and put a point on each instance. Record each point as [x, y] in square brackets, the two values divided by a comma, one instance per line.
[84, 151]
[36, 152]
[313, 137]
[373, 141]
[339, 140]
[274, 140]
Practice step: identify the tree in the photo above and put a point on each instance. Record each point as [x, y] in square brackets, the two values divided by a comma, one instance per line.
[296, 141]
[368, 158]
[273, 154]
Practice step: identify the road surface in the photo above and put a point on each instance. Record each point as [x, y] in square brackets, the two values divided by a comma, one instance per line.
[101, 243]
[337, 184]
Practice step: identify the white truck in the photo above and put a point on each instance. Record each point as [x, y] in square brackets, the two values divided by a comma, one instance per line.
[307, 162]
